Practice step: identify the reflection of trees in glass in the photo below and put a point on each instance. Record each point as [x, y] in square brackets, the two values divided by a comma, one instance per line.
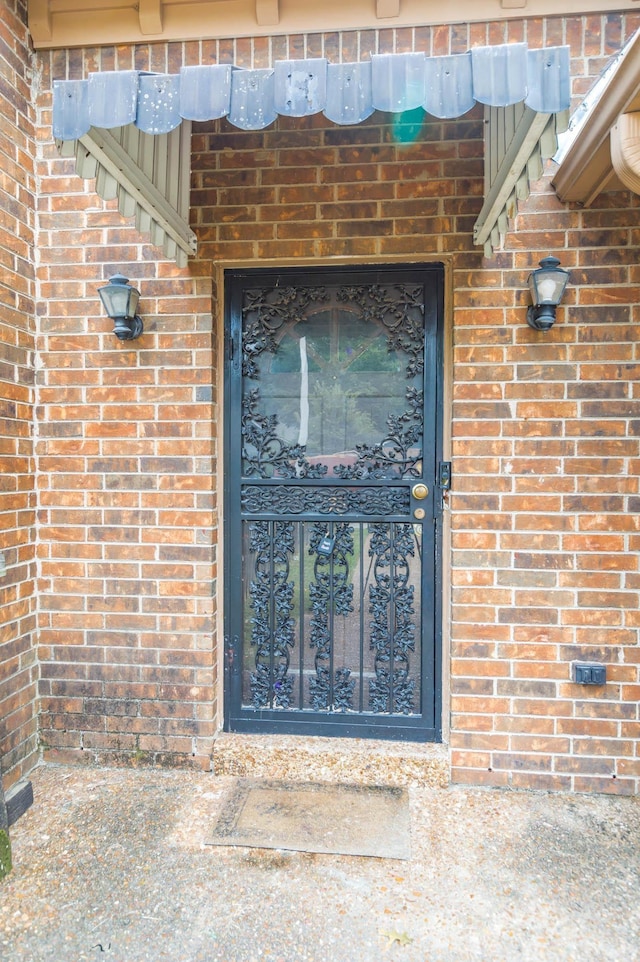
[336, 340]
[336, 418]
[354, 382]
[377, 359]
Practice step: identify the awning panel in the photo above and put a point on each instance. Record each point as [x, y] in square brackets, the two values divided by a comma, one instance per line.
[398, 81]
[448, 86]
[158, 103]
[113, 98]
[71, 108]
[548, 80]
[300, 87]
[252, 99]
[205, 92]
[349, 92]
[525, 93]
[500, 74]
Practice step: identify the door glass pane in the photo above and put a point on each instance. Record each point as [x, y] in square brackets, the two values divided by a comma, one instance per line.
[333, 383]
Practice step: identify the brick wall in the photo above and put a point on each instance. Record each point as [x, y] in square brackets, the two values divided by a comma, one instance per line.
[18, 670]
[545, 450]
[545, 511]
[127, 509]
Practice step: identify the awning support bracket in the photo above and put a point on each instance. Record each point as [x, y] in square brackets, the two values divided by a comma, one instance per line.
[102, 145]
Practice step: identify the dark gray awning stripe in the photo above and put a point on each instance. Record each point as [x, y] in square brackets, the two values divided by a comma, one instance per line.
[445, 87]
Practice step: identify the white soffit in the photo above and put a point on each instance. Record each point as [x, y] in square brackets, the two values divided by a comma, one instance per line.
[92, 23]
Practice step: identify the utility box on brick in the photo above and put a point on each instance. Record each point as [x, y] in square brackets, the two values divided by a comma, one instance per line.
[585, 673]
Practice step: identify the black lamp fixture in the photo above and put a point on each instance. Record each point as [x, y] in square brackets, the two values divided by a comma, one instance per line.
[546, 285]
[120, 301]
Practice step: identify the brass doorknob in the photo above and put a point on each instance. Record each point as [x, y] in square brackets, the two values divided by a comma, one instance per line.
[420, 491]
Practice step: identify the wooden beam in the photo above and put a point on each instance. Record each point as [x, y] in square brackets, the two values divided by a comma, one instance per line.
[387, 9]
[18, 799]
[267, 13]
[40, 26]
[150, 16]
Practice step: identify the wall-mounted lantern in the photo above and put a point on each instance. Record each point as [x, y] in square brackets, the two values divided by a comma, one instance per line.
[120, 301]
[546, 285]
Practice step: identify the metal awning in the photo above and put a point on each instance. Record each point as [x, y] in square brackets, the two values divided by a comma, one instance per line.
[507, 78]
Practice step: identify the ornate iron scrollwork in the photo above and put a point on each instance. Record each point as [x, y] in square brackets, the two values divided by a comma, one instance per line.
[330, 593]
[397, 455]
[400, 309]
[295, 499]
[272, 627]
[269, 453]
[264, 453]
[397, 308]
[264, 313]
[393, 628]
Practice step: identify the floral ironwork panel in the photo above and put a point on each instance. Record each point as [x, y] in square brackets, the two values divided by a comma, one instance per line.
[333, 382]
[330, 596]
[272, 627]
[393, 630]
[294, 499]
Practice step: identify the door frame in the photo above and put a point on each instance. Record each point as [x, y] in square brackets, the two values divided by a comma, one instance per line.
[442, 560]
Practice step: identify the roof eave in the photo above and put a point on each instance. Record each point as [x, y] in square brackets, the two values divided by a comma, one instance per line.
[587, 169]
[57, 24]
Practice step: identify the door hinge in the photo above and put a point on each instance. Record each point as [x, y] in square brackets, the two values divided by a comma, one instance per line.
[231, 662]
[444, 475]
[228, 654]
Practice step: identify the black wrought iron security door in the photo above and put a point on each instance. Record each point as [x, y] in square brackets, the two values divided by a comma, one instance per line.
[332, 515]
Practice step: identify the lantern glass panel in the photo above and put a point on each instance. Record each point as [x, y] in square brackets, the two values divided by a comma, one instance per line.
[547, 285]
[119, 298]
[134, 297]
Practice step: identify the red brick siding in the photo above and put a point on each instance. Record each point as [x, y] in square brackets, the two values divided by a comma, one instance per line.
[18, 669]
[545, 427]
[126, 455]
[128, 522]
[545, 512]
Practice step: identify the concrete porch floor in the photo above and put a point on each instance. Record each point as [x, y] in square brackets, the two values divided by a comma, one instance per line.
[111, 864]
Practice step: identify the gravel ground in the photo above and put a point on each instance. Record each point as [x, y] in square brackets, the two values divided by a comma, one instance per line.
[111, 864]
